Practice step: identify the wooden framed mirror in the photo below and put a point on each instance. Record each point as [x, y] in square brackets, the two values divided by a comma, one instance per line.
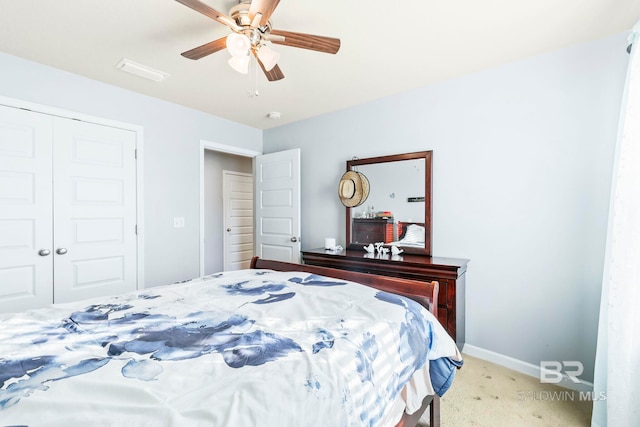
[398, 208]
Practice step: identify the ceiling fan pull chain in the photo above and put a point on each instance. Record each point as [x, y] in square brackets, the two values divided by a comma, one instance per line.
[253, 91]
[255, 77]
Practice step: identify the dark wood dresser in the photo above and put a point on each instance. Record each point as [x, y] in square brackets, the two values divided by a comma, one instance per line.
[367, 230]
[448, 272]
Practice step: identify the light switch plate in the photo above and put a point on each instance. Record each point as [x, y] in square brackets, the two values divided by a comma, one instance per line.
[178, 222]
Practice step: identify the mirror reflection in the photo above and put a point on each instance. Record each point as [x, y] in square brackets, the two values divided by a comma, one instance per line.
[398, 210]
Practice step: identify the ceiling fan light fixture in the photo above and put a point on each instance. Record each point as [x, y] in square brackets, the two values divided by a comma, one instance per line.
[240, 63]
[250, 24]
[238, 45]
[268, 57]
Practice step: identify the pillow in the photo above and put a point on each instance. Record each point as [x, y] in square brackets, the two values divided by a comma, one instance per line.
[414, 234]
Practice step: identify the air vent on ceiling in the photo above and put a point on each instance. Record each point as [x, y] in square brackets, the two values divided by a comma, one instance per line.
[142, 70]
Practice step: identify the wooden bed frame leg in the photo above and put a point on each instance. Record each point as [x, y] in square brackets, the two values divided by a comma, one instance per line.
[434, 412]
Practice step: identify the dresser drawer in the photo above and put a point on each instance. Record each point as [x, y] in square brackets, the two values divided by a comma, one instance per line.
[372, 230]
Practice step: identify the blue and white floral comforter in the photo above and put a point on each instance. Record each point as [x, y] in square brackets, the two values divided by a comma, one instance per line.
[243, 348]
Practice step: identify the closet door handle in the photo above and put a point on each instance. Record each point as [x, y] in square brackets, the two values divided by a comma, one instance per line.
[61, 251]
[44, 252]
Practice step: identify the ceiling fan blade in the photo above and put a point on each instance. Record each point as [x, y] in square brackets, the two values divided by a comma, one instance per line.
[207, 10]
[206, 49]
[306, 41]
[263, 7]
[273, 74]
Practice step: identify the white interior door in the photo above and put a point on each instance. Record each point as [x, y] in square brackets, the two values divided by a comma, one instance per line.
[26, 278]
[277, 180]
[94, 210]
[237, 194]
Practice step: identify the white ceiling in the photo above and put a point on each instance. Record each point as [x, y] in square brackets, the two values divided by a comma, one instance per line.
[387, 47]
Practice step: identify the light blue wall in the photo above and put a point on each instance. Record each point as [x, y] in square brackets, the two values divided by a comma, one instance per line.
[172, 135]
[521, 175]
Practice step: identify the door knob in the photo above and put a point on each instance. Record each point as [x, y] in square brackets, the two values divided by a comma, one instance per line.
[294, 239]
[44, 252]
[61, 251]
[228, 229]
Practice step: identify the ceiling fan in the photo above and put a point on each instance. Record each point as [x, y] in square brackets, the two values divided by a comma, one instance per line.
[251, 35]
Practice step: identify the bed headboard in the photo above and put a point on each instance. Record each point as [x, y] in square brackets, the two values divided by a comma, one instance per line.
[425, 293]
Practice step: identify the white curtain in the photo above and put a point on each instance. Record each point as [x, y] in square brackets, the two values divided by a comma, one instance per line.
[617, 369]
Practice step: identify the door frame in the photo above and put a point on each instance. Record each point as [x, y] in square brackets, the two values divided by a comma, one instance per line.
[139, 135]
[222, 148]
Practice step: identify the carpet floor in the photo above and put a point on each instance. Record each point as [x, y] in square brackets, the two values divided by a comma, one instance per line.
[486, 394]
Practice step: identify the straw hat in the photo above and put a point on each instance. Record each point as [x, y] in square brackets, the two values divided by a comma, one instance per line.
[353, 189]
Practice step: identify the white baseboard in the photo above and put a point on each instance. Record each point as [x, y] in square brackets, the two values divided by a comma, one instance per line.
[522, 367]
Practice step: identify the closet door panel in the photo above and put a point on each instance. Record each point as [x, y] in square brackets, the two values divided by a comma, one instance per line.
[94, 210]
[26, 277]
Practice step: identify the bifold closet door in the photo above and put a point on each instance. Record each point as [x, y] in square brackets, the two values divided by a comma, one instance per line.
[67, 210]
[94, 213]
[26, 235]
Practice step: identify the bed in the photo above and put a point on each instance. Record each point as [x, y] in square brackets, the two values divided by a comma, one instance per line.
[410, 234]
[275, 345]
